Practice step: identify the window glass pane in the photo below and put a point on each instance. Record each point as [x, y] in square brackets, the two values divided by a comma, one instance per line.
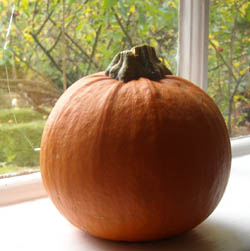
[39, 59]
[228, 62]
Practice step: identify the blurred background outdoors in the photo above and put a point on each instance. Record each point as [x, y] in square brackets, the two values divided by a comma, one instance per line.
[46, 45]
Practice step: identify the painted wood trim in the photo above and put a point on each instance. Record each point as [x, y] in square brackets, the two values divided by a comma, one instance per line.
[193, 41]
[21, 188]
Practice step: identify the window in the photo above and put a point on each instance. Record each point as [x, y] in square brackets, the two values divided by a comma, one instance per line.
[228, 63]
[47, 45]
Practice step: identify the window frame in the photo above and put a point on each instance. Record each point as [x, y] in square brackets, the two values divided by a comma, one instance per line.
[193, 41]
[192, 65]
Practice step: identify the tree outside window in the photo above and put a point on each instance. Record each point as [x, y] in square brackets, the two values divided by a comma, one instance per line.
[53, 43]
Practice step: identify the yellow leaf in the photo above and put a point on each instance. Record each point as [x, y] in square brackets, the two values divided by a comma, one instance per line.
[25, 3]
[132, 9]
[89, 37]
[28, 37]
[173, 4]
[215, 43]
[67, 19]
[27, 29]
[236, 99]
[242, 72]
[243, 8]
[88, 9]
[167, 63]
[236, 64]
[154, 43]
[26, 33]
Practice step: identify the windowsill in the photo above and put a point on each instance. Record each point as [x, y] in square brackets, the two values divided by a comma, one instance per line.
[37, 225]
[21, 188]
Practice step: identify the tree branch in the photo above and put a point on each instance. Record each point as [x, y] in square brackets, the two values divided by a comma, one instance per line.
[48, 55]
[224, 61]
[94, 48]
[63, 47]
[56, 42]
[31, 67]
[43, 24]
[237, 85]
[46, 52]
[84, 53]
[123, 28]
[219, 65]
[34, 13]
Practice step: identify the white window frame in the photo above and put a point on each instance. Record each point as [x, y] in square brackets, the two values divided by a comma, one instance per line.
[193, 41]
[192, 65]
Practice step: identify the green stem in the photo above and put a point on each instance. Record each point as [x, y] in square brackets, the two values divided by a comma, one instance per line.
[140, 61]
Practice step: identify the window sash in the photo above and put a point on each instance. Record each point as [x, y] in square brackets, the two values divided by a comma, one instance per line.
[193, 41]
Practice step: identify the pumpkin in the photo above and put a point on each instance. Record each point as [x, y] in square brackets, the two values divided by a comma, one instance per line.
[135, 153]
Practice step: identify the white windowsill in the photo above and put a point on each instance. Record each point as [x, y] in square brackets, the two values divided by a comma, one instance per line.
[37, 225]
[21, 188]
[240, 146]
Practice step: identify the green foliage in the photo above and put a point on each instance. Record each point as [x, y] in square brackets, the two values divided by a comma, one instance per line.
[20, 115]
[17, 143]
[19, 136]
[229, 61]
[36, 35]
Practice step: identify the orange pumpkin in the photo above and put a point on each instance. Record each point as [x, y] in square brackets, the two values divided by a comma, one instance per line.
[141, 157]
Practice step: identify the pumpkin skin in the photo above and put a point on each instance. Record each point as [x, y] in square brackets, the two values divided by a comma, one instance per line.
[136, 161]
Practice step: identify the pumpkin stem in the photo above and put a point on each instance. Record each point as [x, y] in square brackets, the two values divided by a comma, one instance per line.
[140, 61]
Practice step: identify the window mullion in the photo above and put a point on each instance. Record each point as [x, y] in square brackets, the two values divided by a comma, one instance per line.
[193, 41]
